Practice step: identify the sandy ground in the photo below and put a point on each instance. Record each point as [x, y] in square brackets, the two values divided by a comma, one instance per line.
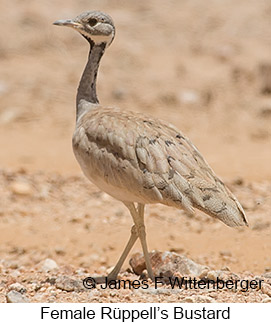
[195, 64]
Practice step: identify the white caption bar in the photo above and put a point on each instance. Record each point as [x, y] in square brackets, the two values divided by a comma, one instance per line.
[135, 312]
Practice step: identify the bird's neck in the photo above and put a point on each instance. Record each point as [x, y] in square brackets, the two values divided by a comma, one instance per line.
[86, 92]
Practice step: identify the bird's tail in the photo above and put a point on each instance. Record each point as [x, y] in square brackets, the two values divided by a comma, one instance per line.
[226, 208]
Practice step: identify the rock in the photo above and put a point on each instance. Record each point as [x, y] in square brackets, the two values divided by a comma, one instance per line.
[48, 265]
[17, 287]
[221, 274]
[15, 273]
[69, 284]
[96, 293]
[15, 297]
[189, 97]
[156, 291]
[60, 251]
[13, 264]
[225, 253]
[50, 280]
[203, 273]
[213, 275]
[21, 188]
[166, 264]
[265, 112]
[188, 299]
[198, 299]
[267, 274]
[8, 115]
[35, 286]
[266, 289]
[137, 263]
[238, 181]
[266, 300]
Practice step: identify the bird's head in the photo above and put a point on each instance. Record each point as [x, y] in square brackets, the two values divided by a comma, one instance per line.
[97, 27]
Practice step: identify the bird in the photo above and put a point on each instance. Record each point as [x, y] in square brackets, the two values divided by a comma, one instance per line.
[138, 159]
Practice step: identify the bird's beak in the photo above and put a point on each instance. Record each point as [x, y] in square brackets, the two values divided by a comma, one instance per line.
[68, 23]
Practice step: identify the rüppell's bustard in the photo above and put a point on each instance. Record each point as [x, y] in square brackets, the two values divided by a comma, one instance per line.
[137, 158]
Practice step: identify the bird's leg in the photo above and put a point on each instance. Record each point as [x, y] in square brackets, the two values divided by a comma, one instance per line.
[113, 275]
[142, 237]
[138, 217]
[133, 237]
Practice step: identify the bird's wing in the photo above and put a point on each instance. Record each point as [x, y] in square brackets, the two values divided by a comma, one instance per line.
[155, 159]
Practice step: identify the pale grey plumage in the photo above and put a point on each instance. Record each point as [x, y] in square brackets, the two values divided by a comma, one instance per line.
[136, 158]
[149, 161]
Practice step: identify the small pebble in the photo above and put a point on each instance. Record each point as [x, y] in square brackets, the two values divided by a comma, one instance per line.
[266, 300]
[267, 274]
[188, 299]
[156, 291]
[212, 275]
[60, 251]
[17, 287]
[21, 188]
[189, 97]
[48, 265]
[94, 293]
[9, 115]
[266, 289]
[16, 297]
[198, 299]
[69, 284]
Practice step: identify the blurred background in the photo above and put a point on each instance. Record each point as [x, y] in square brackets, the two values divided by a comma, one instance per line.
[204, 66]
[201, 65]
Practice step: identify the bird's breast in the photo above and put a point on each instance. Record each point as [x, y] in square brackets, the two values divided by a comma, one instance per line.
[105, 169]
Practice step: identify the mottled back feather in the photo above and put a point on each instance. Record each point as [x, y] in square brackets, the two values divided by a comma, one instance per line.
[132, 156]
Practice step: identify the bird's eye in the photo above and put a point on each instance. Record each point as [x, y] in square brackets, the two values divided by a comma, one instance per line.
[92, 22]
